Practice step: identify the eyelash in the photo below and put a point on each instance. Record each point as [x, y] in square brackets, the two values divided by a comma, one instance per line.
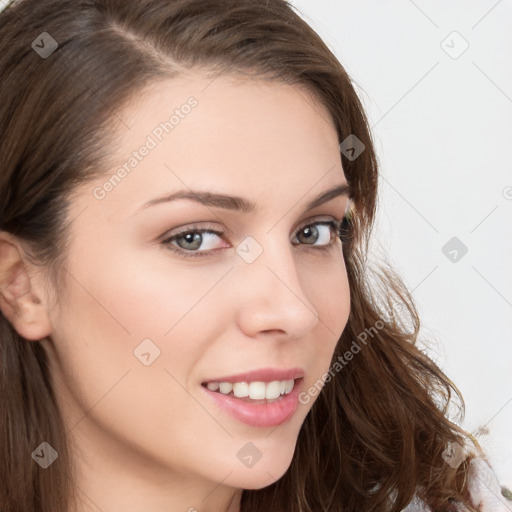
[337, 227]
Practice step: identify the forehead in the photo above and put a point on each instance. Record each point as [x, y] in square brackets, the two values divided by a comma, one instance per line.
[232, 105]
[229, 134]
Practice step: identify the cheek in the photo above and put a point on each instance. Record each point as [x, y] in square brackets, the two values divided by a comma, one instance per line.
[139, 299]
[112, 312]
[124, 315]
[330, 294]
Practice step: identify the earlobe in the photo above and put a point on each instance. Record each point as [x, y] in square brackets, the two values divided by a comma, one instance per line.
[20, 300]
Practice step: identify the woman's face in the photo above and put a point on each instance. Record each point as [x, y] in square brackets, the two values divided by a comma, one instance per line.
[146, 322]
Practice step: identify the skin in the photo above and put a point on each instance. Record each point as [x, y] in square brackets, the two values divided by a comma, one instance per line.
[146, 437]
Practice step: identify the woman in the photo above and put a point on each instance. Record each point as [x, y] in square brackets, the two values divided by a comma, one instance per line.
[188, 322]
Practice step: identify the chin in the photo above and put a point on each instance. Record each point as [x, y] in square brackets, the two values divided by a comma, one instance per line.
[255, 481]
[264, 472]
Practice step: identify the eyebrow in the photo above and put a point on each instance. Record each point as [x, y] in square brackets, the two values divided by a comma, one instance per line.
[236, 203]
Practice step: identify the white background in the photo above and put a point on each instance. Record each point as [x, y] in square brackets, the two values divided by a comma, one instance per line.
[443, 128]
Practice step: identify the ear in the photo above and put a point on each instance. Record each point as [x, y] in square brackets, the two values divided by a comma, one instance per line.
[22, 297]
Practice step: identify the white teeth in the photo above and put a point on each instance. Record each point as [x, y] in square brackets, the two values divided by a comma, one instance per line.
[225, 387]
[289, 386]
[257, 390]
[241, 389]
[254, 390]
[273, 389]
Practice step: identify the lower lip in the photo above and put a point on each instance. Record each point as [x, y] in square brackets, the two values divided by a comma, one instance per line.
[259, 414]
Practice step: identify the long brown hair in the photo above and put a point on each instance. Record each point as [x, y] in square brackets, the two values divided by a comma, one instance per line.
[377, 432]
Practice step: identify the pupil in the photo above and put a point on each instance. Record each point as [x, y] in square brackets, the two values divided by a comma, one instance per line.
[309, 232]
[189, 239]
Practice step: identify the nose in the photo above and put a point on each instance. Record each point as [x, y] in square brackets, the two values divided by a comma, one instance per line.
[270, 295]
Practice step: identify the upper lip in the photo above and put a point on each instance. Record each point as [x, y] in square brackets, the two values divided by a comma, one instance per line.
[262, 375]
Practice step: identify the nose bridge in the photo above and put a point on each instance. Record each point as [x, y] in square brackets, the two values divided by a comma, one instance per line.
[273, 296]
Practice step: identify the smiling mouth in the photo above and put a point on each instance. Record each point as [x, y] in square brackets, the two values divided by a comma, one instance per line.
[254, 392]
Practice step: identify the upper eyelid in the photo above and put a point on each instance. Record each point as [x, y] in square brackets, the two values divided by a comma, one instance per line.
[194, 227]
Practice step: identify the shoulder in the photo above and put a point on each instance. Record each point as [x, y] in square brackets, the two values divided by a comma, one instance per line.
[484, 490]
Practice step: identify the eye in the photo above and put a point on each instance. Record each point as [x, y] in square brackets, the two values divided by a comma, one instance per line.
[318, 234]
[187, 242]
[191, 239]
